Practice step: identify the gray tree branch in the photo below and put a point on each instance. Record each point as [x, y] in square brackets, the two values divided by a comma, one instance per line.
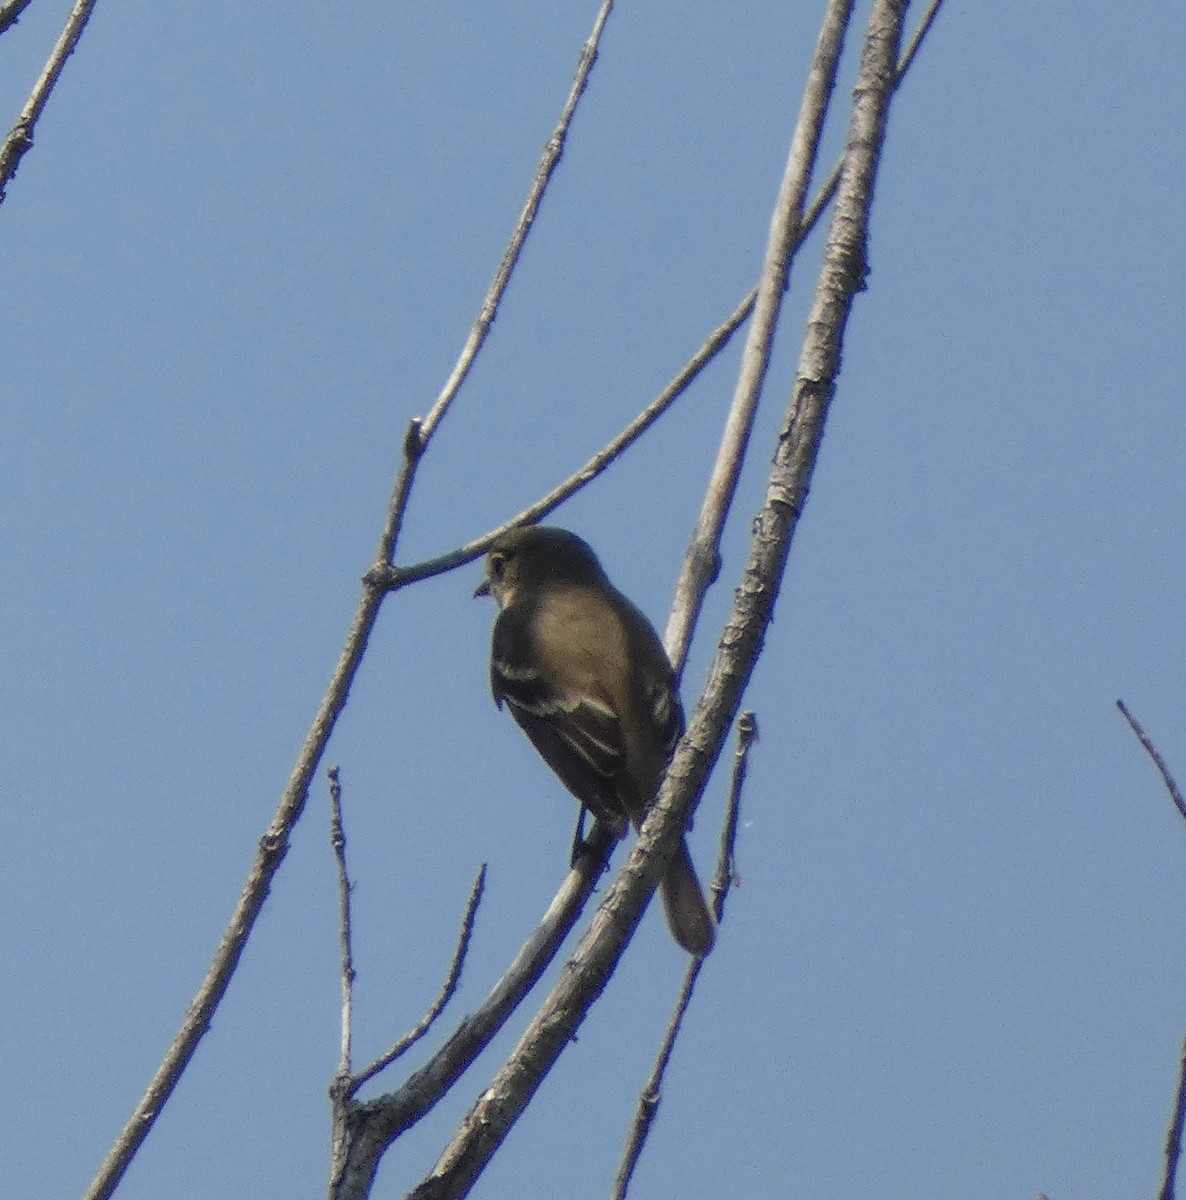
[587, 973]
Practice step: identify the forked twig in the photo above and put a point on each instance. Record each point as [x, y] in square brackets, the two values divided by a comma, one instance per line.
[346, 1084]
[652, 1092]
[375, 1124]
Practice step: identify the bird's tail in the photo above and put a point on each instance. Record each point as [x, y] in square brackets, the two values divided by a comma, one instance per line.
[691, 923]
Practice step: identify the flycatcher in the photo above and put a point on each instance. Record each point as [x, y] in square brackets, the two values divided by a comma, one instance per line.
[587, 679]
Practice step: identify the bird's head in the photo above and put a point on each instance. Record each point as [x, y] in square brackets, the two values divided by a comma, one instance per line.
[535, 556]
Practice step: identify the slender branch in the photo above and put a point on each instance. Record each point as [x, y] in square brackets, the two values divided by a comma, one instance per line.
[552, 153]
[1173, 1137]
[338, 1089]
[20, 136]
[842, 275]
[410, 1038]
[396, 577]
[924, 27]
[337, 837]
[269, 855]
[652, 1092]
[375, 1124]
[10, 13]
[1150, 749]
[726, 872]
[345, 1086]
[702, 562]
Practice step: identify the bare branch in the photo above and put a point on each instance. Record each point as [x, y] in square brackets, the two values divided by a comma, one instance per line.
[702, 564]
[924, 27]
[273, 846]
[375, 1124]
[10, 13]
[20, 136]
[842, 276]
[339, 1088]
[446, 994]
[345, 1086]
[337, 837]
[652, 1092]
[396, 577]
[1173, 1137]
[552, 152]
[789, 229]
[726, 872]
[1159, 762]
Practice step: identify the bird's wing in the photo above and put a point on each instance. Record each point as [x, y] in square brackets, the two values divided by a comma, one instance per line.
[577, 732]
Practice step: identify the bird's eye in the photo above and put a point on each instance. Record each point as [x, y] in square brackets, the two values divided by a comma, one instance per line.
[498, 566]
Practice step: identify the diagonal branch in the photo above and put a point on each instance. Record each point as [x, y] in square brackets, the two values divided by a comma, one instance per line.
[789, 229]
[452, 979]
[551, 158]
[701, 564]
[1151, 750]
[652, 1092]
[20, 136]
[842, 275]
[10, 13]
[1173, 1137]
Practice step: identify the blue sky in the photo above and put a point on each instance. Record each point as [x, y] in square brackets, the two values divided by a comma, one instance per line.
[247, 247]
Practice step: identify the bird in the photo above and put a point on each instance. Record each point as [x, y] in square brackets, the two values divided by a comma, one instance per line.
[584, 674]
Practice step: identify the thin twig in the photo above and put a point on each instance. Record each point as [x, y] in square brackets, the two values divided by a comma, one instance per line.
[345, 1086]
[1173, 1137]
[337, 837]
[924, 27]
[652, 1092]
[10, 13]
[338, 1092]
[842, 275]
[726, 872]
[1171, 785]
[552, 152]
[20, 136]
[396, 577]
[376, 1123]
[410, 1038]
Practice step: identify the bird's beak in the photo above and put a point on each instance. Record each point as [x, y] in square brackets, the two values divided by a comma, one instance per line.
[483, 589]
